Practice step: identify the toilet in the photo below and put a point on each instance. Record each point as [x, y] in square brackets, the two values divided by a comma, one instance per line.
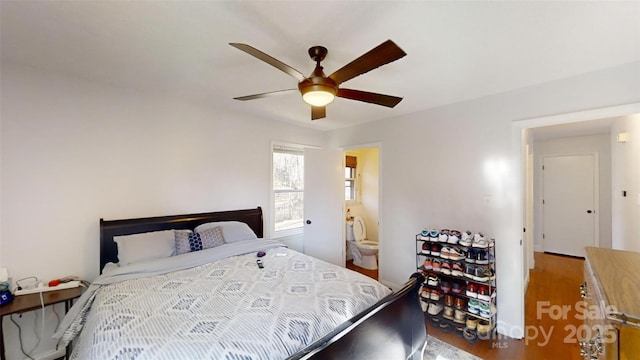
[362, 251]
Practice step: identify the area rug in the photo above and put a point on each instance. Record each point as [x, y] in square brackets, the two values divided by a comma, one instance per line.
[439, 350]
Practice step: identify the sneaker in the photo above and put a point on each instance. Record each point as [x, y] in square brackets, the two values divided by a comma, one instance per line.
[480, 241]
[445, 268]
[490, 274]
[424, 292]
[487, 310]
[434, 309]
[426, 248]
[448, 300]
[424, 305]
[428, 263]
[445, 252]
[433, 280]
[481, 257]
[448, 313]
[444, 235]
[483, 328]
[436, 265]
[460, 303]
[445, 286]
[456, 254]
[445, 327]
[469, 271]
[470, 335]
[473, 306]
[481, 274]
[458, 288]
[466, 239]
[435, 249]
[436, 294]
[459, 316]
[433, 235]
[457, 269]
[484, 293]
[472, 290]
[454, 236]
[470, 256]
[472, 322]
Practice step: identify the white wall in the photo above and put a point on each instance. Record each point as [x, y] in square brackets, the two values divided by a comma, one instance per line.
[459, 166]
[626, 176]
[599, 144]
[75, 151]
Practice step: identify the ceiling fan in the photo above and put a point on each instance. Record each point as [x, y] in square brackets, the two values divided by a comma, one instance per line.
[318, 90]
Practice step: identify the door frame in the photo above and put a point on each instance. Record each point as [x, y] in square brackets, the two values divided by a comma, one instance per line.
[596, 191]
[377, 145]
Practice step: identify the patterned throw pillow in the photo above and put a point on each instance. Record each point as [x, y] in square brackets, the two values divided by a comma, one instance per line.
[206, 239]
[182, 241]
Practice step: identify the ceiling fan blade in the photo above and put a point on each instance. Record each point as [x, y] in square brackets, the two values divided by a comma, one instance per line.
[369, 97]
[272, 93]
[269, 60]
[318, 112]
[382, 54]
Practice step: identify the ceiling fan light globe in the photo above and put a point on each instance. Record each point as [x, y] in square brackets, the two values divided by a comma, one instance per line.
[318, 97]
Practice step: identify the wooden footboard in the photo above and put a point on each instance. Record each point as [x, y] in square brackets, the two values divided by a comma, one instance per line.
[393, 328]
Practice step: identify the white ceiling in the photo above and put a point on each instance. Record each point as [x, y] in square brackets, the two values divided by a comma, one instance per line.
[456, 50]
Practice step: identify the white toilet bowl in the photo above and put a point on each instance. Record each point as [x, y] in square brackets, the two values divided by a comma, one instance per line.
[363, 251]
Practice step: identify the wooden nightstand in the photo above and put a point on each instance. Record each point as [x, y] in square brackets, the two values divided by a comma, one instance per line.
[30, 302]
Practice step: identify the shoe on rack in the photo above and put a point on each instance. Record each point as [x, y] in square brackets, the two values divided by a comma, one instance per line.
[473, 306]
[433, 235]
[481, 274]
[454, 236]
[457, 269]
[435, 249]
[425, 292]
[444, 236]
[448, 313]
[484, 293]
[445, 268]
[472, 290]
[466, 239]
[436, 294]
[487, 310]
[457, 287]
[436, 265]
[483, 329]
[482, 257]
[470, 335]
[480, 241]
[456, 254]
[470, 271]
[472, 322]
[433, 280]
[448, 300]
[424, 305]
[445, 327]
[460, 303]
[470, 256]
[426, 248]
[445, 286]
[434, 309]
[424, 233]
[428, 263]
[459, 316]
[445, 252]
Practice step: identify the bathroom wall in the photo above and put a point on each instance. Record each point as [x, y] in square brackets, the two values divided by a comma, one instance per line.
[367, 179]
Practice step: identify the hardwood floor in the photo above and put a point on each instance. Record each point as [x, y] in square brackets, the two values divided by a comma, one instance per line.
[553, 283]
[369, 273]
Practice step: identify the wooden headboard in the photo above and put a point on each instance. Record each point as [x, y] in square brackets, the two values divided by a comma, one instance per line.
[111, 228]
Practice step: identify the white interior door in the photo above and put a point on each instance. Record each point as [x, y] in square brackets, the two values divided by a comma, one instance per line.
[324, 205]
[568, 204]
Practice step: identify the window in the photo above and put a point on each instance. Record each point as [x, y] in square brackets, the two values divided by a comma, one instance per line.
[350, 178]
[288, 189]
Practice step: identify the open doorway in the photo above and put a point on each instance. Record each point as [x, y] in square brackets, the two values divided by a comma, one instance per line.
[362, 199]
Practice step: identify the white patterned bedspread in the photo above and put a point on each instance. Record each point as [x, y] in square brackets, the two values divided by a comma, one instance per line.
[227, 309]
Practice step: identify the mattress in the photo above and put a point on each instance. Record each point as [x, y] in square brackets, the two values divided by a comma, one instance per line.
[218, 307]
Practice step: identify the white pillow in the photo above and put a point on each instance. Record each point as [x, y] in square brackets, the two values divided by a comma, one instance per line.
[232, 230]
[145, 246]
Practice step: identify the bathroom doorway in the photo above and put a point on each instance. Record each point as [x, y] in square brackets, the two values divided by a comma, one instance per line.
[362, 199]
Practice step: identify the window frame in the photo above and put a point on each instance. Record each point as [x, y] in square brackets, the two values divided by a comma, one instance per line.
[272, 223]
[355, 199]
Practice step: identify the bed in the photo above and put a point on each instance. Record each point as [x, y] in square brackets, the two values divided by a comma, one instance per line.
[215, 301]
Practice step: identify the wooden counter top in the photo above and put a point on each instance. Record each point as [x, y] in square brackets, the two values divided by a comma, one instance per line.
[618, 274]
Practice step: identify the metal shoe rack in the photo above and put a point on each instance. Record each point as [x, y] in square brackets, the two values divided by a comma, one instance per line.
[458, 291]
